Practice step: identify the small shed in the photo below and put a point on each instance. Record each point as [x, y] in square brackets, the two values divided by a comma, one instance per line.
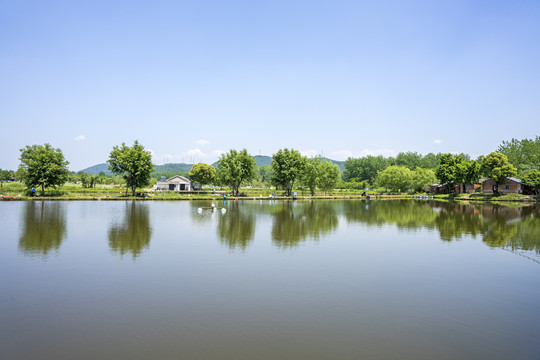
[175, 183]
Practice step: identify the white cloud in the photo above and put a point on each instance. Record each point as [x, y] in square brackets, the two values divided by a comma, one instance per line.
[217, 153]
[344, 154]
[437, 141]
[309, 153]
[203, 142]
[80, 138]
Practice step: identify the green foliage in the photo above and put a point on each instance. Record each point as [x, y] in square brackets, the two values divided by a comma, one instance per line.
[421, 179]
[523, 154]
[43, 227]
[85, 180]
[409, 159]
[133, 234]
[157, 175]
[42, 166]
[234, 168]
[450, 170]
[532, 178]
[311, 173]
[365, 168]
[264, 173]
[288, 165]
[6, 175]
[353, 185]
[202, 173]
[133, 163]
[395, 178]
[430, 161]
[497, 167]
[470, 172]
[329, 176]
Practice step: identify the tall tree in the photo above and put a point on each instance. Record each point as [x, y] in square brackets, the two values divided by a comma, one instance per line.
[234, 168]
[310, 175]
[43, 166]
[470, 172]
[287, 165]
[395, 178]
[429, 161]
[409, 159]
[202, 173]
[6, 175]
[532, 178]
[523, 154]
[422, 178]
[133, 163]
[450, 170]
[497, 167]
[329, 176]
[365, 168]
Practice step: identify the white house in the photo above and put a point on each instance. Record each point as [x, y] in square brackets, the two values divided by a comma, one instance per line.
[176, 183]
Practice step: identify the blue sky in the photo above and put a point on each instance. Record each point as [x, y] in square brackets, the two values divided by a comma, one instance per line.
[191, 79]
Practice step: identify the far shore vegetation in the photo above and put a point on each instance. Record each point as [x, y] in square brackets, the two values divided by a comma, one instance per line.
[43, 173]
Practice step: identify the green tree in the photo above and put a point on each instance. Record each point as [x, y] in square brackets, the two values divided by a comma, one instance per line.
[450, 170]
[470, 172]
[264, 173]
[202, 173]
[43, 166]
[532, 178]
[85, 180]
[497, 167]
[234, 168]
[422, 178]
[365, 168]
[288, 165]
[133, 163]
[6, 175]
[409, 159]
[329, 176]
[523, 154]
[395, 178]
[311, 173]
[429, 161]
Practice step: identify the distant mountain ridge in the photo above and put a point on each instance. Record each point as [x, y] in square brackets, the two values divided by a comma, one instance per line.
[260, 160]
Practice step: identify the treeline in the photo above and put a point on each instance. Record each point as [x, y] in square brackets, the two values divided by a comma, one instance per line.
[43, 166]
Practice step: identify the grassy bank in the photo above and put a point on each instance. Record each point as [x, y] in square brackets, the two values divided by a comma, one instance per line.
[17, 191]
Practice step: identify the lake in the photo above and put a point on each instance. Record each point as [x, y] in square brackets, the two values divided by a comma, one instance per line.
[352, 279]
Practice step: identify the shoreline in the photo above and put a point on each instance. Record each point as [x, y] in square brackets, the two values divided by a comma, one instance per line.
[530, 200]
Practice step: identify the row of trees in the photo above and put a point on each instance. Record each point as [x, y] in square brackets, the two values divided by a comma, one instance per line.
[44, 166]
[288, 168]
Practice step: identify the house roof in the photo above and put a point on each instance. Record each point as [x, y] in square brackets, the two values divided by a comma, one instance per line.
[515, 179]
[178, 179]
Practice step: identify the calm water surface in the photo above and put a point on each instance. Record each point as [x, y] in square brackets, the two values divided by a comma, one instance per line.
[269, 280]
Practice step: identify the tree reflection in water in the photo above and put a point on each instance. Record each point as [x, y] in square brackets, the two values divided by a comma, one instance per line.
[516, 228]
[133, 235]
[236, 228]
[296, 222]
[43, 227]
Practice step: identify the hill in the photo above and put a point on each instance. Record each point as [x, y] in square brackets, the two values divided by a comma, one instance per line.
[96, 169]
[165, 168]
[260, 160]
